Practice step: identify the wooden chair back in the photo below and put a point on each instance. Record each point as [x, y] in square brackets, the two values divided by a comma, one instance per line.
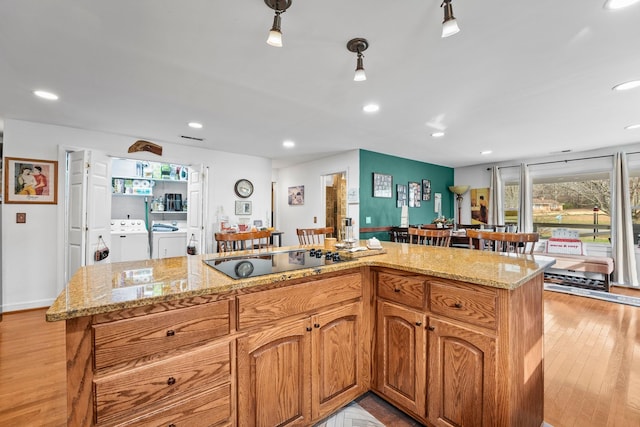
[228, 242]
[522, 243]
[313, 236]
[430, 236]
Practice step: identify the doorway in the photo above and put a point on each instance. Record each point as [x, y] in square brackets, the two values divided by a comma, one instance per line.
[335, 186]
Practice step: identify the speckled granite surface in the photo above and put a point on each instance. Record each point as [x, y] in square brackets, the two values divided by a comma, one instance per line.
[108, 287]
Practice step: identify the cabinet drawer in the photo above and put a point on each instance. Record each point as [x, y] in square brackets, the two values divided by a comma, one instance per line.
[207, 409]
[475, 305]
[267, 306]
[406, 290]
[155, 385]
[136, 338]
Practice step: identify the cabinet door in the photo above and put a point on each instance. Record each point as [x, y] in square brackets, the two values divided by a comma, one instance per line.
[461, 376]
[401, 356]
[336, 358]
[274, 374]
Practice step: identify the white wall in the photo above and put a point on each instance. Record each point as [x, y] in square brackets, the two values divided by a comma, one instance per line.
[310, 175]
[32, 267]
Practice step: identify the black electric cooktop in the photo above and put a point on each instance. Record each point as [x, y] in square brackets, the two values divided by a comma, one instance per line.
[252, 265]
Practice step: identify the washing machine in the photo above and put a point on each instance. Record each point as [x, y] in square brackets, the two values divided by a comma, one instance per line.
[129, 240]
[168, 239]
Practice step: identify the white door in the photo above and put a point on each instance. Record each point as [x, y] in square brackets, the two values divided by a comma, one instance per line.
[196, 209]
[89, 211]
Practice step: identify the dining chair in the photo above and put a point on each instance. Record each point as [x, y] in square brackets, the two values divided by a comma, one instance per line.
[313, 236]
[430, 236]
[228, 242]
[522, 243]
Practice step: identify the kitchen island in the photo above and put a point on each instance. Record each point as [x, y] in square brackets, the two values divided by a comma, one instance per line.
[450, 336]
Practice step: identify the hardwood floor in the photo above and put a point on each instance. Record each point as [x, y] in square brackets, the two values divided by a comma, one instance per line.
[592, 367]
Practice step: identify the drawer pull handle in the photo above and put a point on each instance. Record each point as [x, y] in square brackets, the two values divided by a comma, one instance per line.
[308, 328]
[431, 328]
[171, 381]
[418, 323]
[316, 325]
[457, 305]
[171, 333]
[171, 425]
[396, 290]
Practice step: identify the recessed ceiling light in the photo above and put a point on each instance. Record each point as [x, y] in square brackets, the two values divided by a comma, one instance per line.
[195, 125]
[371, 108]
[484, 153]
[437, 134]
[288, 144]
[631, 127]
[45, 95]
[618, 4]
[627, 85]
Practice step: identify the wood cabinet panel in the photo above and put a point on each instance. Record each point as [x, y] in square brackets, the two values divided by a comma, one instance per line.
[401, 356]
[275, 304]
[336, 358]
[406, 290]
[137, 338]
[462, 376]
[147, 388]
[475, 305]
[210, 409]
[274, 376]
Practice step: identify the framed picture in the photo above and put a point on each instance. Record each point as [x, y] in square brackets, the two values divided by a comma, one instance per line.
[243, 207]
[426, 190]
[296, 195]
[480, 205]
[30, 181]
[382, 185]
[401, 191]
[415, 194]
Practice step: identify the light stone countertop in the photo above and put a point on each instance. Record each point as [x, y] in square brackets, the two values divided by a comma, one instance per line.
[109, 287]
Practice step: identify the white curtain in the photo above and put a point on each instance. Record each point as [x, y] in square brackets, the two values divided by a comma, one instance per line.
[622, 227]
[496, 207]
[525, 210]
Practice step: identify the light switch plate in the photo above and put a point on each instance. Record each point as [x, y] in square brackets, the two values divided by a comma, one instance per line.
[367, 220]
[21, 217]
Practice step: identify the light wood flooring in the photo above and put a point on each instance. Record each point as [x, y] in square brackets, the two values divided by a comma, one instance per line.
[592, 367]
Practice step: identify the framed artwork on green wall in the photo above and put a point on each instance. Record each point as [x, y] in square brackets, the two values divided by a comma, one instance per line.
[401, 191]
[415, 194]
[382, 185]
[426, 190]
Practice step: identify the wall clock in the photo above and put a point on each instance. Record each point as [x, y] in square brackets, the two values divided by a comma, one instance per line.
[243, 188]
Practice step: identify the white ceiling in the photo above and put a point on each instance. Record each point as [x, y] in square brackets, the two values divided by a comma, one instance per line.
[524, 78]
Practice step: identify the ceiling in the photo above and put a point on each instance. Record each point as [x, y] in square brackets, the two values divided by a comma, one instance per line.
[522, 78]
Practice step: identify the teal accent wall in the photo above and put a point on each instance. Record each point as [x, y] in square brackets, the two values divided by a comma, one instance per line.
[384, 211]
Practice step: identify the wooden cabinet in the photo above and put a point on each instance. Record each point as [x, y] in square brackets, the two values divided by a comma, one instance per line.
[165, 364]
[293, 372]
[461, 370]
[438, 357]
[401, 356]
[296, 372]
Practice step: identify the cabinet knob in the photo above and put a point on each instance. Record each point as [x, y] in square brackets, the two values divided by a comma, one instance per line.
[396, 290]
[171, 425]
[431, 328]
[457, 305]
[316, 325]
[308, 328]
[418, 323]
[171, 333]
[171, 381]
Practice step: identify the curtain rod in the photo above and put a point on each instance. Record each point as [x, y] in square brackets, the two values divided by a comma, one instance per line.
[562, 161]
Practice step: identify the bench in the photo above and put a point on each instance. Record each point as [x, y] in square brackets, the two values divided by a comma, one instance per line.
[583, 271]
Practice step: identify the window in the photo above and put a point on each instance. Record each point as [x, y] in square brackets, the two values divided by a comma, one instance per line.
[578, 202]
[511, 202]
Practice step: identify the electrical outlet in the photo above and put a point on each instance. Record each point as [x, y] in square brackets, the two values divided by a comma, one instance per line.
[315, 219]
[367, 220]
[21, 217]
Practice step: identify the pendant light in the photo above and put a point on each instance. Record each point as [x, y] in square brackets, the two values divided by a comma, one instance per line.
[275, 34]
[449, 25]
[358, 45]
